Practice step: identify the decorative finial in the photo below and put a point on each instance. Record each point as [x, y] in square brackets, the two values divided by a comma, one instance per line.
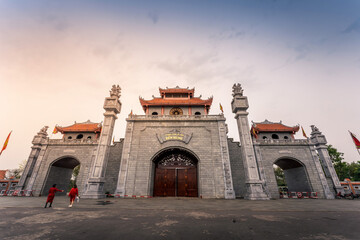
[115, 91]
[314, 129]
[43, 131]
[237, 89]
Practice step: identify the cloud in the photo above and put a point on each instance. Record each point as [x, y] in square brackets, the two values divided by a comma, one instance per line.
[227, 34]
[353, 27]
[55, 22]
[207, 68]
[188, 64]
[154, 17]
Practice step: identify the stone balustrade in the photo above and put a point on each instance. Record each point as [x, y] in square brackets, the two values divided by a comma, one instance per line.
[281, 142]
[73, 141]
[175, 117]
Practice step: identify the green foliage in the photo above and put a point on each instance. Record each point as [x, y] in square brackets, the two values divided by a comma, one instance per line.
[280, 176]
[75, 173]
[344, 169]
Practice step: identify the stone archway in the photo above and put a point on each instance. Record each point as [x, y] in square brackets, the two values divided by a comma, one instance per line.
[296, 176]
[59, 173]
[175, 174]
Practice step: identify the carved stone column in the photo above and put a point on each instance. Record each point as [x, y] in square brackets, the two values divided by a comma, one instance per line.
[320, 142]
[254, 185]
[95, 183]
[34, 161]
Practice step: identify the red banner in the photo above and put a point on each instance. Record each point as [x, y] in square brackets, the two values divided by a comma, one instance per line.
[356, 141]
[6, 143]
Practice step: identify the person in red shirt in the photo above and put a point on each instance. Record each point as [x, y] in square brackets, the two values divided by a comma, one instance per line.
[51, 195]
[73, 193]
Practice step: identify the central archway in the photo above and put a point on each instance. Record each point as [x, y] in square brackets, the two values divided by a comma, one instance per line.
[175, 174]
[60, 173]
[295, 174]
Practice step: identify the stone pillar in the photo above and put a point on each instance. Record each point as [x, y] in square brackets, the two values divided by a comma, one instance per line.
[95, 183]
[33, 163]
[320, 142]
[327, 193]
[254, 185]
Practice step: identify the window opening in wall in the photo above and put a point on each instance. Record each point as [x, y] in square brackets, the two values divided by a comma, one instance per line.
[89, 137]
[286, 137]
[275, 136]
[154, 113]
[70, 137]
[264, 137]
[197, 113]
[176, 111]
[80, 136]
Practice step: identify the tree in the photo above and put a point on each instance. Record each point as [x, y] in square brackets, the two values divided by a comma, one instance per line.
[337, 160]
[17, 172]
[75, 173]
[344, 169]
[280, 176]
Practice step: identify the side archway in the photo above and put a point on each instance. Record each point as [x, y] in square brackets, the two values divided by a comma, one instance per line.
[175, 173]
[60, 173]
[295, 174]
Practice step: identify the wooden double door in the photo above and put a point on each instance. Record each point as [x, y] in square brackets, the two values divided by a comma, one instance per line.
[175, 182]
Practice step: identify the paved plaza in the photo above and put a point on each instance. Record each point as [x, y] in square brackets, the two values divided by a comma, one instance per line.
[179, 218]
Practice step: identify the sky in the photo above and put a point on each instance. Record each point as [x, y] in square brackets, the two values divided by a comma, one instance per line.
[297, 61]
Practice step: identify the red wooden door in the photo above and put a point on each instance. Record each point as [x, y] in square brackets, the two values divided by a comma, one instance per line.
[181, 182]
[164, 182]
[186, 182]
[192, 183]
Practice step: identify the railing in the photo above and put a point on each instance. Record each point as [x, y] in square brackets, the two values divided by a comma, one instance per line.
[72, 141]
[176, 117]
[281, 141]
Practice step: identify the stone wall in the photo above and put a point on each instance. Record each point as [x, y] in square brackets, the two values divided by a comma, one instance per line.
[237, 168]
[113, 166]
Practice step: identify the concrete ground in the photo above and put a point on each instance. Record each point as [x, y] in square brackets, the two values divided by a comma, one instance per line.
[179, 218]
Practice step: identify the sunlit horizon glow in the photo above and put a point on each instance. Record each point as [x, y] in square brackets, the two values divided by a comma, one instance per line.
[298, 61]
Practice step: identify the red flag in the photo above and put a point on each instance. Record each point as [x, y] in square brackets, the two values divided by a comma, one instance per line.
[6, 143]
[356, 141]
[303, 132]
[221, 108]
[55, 130]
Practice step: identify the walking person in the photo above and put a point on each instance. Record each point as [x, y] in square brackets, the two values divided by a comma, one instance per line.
[51, 195]
[74, 192]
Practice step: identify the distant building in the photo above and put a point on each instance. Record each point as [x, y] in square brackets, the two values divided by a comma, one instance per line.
[350, 186]
[178, 149]
[7, 184]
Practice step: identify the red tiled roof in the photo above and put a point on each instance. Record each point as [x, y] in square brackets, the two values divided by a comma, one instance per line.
[81, 127]
[267, 126]
[176, 90]
[176, 102]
